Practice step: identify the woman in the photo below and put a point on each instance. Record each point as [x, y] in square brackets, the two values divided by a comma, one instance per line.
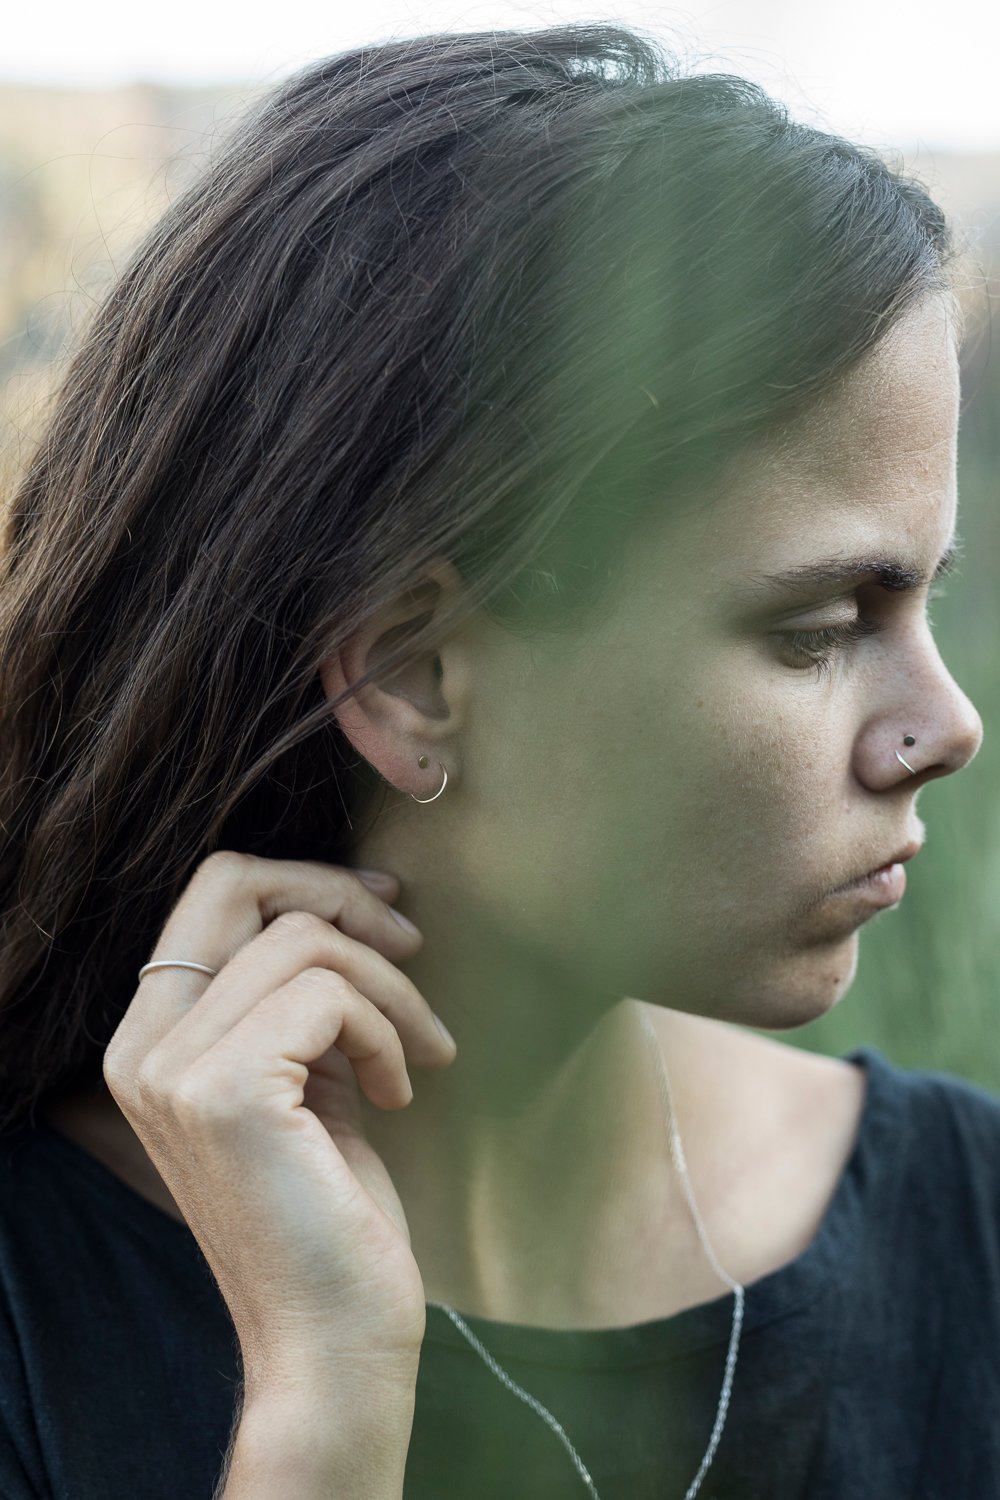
[511, 425]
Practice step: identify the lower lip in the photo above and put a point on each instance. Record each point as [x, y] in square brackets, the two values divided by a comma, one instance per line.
[882, 887]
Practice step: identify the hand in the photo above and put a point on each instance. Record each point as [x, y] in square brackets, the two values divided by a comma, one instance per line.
[243, 1089]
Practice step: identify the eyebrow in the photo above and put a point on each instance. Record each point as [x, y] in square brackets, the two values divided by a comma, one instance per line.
[889, 572]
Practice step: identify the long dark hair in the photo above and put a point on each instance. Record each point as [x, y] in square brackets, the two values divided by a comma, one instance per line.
[491, 296]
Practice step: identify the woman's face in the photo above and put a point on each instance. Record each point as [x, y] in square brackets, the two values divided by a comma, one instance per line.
[665, 806]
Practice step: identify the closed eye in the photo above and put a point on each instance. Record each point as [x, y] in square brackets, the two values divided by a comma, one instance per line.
[818, 646]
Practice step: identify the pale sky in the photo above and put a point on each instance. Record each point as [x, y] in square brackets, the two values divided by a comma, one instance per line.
[890, 72]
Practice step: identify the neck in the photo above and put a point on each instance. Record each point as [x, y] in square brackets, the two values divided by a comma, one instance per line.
[535, 1173]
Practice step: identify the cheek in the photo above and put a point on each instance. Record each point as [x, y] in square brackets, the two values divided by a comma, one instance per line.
[789, 757]
[651, 803]
[754, 773]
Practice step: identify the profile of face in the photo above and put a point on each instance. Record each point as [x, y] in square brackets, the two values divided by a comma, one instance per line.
[663, 806]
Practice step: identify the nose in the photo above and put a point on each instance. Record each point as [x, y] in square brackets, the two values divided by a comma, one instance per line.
[944, 722]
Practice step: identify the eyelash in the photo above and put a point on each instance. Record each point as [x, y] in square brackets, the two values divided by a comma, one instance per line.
[820, 645]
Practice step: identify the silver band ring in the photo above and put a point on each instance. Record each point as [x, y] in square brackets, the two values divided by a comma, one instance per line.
[176, 963]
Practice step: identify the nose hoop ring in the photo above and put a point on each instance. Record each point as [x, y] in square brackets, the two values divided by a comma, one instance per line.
[908, 739]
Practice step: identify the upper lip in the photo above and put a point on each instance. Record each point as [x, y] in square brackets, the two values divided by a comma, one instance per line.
[906, 852]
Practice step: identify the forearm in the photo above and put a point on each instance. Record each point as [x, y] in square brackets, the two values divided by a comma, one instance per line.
[336, 1450]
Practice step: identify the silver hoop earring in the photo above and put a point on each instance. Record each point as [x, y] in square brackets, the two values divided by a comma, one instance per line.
[422, 762]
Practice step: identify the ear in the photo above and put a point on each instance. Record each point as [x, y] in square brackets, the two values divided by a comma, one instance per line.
[418, 710]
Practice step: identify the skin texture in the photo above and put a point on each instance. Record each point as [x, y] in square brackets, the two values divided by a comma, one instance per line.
[657, 808]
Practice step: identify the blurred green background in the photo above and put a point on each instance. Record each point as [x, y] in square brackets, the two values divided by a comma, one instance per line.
[82, 173]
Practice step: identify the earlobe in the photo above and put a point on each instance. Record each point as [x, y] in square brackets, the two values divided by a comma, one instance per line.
[422, 762]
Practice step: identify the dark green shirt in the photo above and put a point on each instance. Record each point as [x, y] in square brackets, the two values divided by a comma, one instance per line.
[868, 1367]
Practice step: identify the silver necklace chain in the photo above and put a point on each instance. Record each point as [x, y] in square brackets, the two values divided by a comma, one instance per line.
[677, 1152]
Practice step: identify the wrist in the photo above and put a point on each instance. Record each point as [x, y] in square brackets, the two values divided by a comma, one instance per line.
[350, 1439]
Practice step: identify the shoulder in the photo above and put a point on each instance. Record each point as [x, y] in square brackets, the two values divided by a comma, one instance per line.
[945, 1114]
[920, 1146]
[928, 1114]
[970, 1105]
[935, 1130]
[923, 1100]
[932, 1155]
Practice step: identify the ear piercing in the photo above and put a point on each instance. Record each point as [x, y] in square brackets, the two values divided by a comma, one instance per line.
[907, 740]
[422, 762]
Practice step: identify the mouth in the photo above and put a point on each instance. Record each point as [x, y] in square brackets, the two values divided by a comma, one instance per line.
[884, 885]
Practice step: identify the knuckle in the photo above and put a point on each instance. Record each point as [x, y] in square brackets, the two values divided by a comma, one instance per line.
[225, 864]
[148, 1079]
[300, 924]
[118, 1065]
[324, 982]
[112, 1071]
[202, 1094]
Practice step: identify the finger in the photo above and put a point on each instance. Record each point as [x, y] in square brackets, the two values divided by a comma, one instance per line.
[232, 897]
[293, 942]
[270, 1051]
[338, 894]
[227, 902]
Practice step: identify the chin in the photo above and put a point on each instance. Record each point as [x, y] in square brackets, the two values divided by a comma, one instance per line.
[805, 989]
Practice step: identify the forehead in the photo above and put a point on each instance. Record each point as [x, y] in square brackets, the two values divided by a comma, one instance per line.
[868, 473]
[871, 467]
[897, 408]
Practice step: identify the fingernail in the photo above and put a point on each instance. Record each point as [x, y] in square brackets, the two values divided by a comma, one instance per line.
[444, 1031]
[376, 877]
[404, 922]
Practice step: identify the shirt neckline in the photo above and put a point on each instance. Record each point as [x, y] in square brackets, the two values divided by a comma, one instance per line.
[820, 1267]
